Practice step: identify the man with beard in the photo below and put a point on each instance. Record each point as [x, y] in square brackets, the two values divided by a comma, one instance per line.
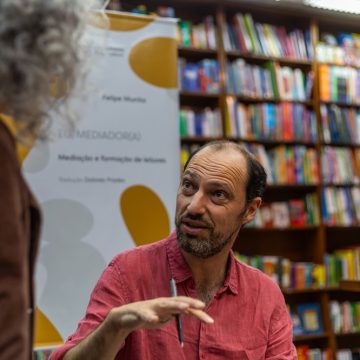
[240, 314]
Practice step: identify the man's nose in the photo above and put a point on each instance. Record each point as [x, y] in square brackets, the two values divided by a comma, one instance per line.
[197, 203]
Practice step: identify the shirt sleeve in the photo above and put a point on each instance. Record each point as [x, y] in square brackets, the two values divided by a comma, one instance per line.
[280, 345]
[108, 293]
[14, 266]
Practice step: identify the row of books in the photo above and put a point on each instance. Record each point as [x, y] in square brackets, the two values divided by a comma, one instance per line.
[306, 353]
[345, 316]
[269, 121]
[342, 48]
[287, 164]
[247, 36]
[337, 55]
[287, 274]
[199, 77]
[306, 319]
[348, 354]
[268, 81]
[201, 35]
[340, 165]
[342, 264]
[343, 39]
[340, 206]
[206, 122]
[339, 83]
[340, 125]
[285, 121]
[293, 213]
[250, 80]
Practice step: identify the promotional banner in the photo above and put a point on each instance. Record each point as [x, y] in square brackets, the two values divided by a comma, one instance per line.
[111, 184]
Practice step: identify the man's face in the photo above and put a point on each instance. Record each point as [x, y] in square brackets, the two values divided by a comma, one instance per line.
[210, 206]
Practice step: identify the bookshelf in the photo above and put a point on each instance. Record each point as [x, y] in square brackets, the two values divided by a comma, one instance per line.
[326, 109]
[350, 285]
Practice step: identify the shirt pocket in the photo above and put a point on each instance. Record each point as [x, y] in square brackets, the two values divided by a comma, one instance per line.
[163, 343]
[256, 353]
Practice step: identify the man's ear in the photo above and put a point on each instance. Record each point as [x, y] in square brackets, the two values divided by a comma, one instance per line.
[251, 210]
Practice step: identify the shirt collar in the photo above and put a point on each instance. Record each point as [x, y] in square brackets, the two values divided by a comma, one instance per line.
[180, 270]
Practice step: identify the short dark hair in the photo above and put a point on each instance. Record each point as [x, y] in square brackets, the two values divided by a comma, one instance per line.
[256, 175]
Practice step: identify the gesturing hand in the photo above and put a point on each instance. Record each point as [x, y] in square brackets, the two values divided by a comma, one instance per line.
[155, 313]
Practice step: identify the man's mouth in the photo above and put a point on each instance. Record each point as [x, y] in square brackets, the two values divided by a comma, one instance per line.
[194, 227]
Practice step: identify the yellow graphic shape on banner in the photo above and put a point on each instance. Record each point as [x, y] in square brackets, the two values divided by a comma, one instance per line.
[45, 332]
[120, 22]
[154, 61]
[123, 22]
[21, 149]
[144, 214]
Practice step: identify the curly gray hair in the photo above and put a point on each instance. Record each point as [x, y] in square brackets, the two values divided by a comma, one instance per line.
[39, 42]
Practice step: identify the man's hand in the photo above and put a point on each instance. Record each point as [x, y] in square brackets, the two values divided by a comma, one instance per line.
[155, 313]
[105, 342]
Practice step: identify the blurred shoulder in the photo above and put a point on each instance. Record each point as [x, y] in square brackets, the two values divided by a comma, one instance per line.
[150, 252]
[257, 282]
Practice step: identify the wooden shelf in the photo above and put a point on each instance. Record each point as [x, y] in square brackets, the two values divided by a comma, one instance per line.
[302, 228]
[340, 144]
[342, 227]
[264, 58]
[310, 290]
[291, 186]
[340, 103]
[265, 142]
[250, 99]
[354, 333]
[340, 185]
[273, 142]
[310, 337]
[332, 289]
[200, 139]
[301, 291]
[350, 285]
[198, 95]
[339, 65]
[191, 51]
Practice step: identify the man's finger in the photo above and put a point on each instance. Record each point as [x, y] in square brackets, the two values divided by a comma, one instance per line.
[203, 316]
[194, 303]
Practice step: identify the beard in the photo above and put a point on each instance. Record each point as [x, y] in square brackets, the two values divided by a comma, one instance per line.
[201, 246]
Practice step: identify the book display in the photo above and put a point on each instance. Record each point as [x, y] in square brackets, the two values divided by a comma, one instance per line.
[286, 84]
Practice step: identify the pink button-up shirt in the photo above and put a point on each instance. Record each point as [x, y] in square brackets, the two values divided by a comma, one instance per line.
[251, 319]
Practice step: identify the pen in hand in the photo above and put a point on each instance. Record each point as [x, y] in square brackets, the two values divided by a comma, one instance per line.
[177, 316]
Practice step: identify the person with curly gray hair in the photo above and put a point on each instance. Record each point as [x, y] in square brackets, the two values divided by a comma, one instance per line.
[39, 43]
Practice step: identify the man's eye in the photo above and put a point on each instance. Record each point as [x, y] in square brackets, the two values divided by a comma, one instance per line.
[219, 194]
[187, 185]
